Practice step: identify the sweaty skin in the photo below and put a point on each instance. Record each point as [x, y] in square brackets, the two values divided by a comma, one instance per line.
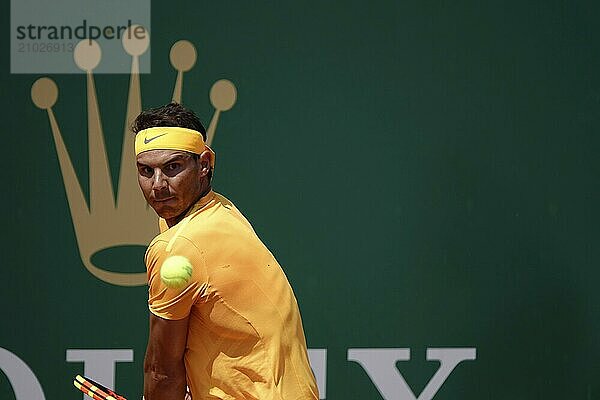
[172, 181]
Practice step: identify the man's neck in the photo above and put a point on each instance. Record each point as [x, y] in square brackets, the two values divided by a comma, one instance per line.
[174, 221]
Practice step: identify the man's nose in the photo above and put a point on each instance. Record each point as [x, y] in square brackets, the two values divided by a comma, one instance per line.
[159, 181]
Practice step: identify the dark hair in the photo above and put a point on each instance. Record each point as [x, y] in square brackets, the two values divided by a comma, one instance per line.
[172, 114]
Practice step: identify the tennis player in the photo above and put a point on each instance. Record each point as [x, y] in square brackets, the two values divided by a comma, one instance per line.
[234, 331]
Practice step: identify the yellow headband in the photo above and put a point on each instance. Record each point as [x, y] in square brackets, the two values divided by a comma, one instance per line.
[172, 138]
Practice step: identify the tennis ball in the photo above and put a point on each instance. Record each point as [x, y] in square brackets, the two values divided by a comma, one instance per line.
[176, 272]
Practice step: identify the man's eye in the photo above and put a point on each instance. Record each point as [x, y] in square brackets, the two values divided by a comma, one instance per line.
[172, 167]
[146, 171]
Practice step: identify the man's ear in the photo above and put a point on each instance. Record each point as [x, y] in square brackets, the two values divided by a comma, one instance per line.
[205, 159]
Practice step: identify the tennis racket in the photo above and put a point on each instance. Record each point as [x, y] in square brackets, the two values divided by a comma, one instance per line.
[95, 390]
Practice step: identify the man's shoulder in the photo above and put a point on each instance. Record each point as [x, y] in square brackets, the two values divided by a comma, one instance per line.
[220, 220]
[222, 216]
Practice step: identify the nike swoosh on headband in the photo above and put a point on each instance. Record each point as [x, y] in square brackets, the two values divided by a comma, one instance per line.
[146, 140]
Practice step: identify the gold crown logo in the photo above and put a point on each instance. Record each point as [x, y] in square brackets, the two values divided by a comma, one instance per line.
[127, 220]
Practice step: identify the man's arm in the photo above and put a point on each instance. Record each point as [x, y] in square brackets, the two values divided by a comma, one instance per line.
[164, 369]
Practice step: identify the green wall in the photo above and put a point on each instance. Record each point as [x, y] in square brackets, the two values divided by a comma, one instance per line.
[425, 172]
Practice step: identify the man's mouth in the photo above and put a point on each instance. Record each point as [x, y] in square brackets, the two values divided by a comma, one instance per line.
[161, 200]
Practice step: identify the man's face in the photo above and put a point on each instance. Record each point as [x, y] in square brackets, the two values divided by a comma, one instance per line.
[171, 181]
